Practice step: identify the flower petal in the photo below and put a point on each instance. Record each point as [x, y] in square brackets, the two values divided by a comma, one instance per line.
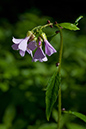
[16, 41]
[22, 53]
[30, 52]
[40, 60]
[39, 55]
[45, 59]
[23, 44]
[32, 45]
[49, 49]
[15, 47]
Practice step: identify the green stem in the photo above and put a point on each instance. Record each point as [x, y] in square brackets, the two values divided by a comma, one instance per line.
[41, 27]
[61, 47]
[46, 25]
[60, 58]
[37, 27]
[59, 108]
[59, 69]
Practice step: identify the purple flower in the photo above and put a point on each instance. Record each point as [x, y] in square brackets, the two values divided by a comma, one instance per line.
[49, 49]
[32, 45]
[21, 44]
[39, 54]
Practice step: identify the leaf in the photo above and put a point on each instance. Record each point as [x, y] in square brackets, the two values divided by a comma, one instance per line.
[75, 126]
[51, 37]
[9, 115]
[69, 26]
[51, 93]
[48, 126]
[77, 114]
[78, 19]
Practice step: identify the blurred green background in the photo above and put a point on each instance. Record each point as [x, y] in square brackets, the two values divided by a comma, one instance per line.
[23, 82]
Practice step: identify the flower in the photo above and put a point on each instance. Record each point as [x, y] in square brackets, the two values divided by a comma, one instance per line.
[39, 54]
[49, 49]
[21, 44]
[32, 45]
[29, 44]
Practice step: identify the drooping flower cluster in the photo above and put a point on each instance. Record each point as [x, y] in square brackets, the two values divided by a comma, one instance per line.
[31, 43]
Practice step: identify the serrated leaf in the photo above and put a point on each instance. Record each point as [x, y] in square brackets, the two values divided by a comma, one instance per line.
[69, 26]
[52, 93]
[77, 114]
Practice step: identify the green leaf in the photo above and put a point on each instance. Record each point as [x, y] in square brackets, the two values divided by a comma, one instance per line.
[77, 114]
[75, 126]
[51, 37]
[51, 93]
[78, 19]
[48, 126]
[69, 26]
[9, 115]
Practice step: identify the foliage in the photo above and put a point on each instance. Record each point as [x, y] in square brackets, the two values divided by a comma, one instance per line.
[52, 93]
[77, 114]
[23, 83]
[69, 26]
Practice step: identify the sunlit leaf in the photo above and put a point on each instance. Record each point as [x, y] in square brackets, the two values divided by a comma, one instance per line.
[77, 114]
[69, 26]
[51, 93]
[78, 19]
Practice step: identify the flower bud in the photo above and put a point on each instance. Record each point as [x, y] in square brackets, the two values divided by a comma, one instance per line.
[43, 35]
[63, 109]
[48, 21]
[51, 26]
[29, 33]
[32, 37]
[57, 64]
[55, 22]
[57, 31]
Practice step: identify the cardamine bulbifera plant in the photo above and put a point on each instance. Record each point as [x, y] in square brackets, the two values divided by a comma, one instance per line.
[36, 44]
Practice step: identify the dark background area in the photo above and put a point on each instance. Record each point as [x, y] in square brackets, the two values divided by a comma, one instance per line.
[65, 10]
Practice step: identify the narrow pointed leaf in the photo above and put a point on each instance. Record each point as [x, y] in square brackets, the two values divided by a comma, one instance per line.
[69, 26]
[52, 93]
[78, 19]
[77, 114]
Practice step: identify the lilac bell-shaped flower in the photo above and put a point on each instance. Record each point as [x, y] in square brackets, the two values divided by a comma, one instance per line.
[39, 54]
[31, 47]
[21, 44]
[49, 49]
